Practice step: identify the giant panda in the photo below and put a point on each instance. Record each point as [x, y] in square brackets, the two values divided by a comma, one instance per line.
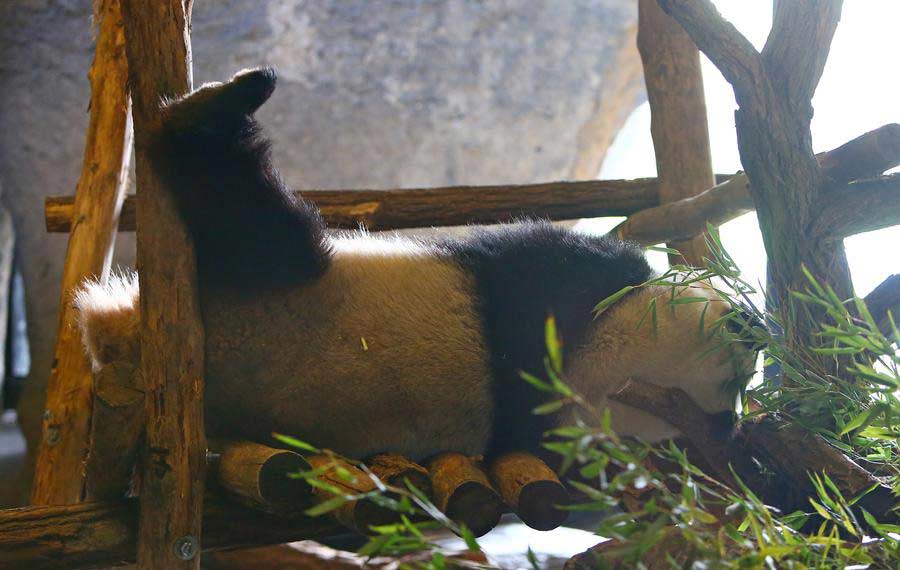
[366, 343]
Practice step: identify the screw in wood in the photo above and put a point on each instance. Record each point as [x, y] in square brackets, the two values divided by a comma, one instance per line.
[186, 547]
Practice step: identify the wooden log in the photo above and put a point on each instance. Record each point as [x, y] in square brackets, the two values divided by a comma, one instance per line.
[116, 428]
[257, 475]
[531, 489]
[98, 199]
[355, 514]
[159, 54]
[463, 492]
[678, 116]
[91, 535]
[452, 206]
[396, 470]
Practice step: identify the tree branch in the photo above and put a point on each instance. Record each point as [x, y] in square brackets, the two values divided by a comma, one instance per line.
[684, 219]
[678, 409]
[867, 155]
[722, 43]
[885, 298]
[863, 206]
[808, 23]
[791, 452]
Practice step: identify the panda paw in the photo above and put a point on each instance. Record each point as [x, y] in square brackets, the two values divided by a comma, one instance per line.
[213, 104]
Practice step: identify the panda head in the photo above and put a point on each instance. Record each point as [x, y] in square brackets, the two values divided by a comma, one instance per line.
[685, 337]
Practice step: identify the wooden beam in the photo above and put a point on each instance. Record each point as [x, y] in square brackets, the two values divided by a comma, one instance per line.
[452, 206]
[678, 116]
[172, 350]
[98, 199]
[91, 535]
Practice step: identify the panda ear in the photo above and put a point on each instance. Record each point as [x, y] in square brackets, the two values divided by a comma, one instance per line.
[216, 103]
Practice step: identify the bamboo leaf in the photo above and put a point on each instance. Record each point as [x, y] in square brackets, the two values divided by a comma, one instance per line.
[606, 303]
[535, 381]
[554, 344]
[861, 420]
[294, 442]
[325, 507]
[549, 407]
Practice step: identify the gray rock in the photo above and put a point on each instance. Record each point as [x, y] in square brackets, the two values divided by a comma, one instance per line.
[373, 94]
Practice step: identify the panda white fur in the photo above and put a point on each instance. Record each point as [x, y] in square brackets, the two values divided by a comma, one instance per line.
[368, 344]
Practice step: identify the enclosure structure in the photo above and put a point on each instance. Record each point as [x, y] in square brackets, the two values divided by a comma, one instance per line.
[146, 46]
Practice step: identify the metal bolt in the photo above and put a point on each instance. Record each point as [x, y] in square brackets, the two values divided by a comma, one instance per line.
[186, 547]
[47, 414]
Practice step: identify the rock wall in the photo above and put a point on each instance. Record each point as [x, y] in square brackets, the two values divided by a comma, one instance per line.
[372, 93]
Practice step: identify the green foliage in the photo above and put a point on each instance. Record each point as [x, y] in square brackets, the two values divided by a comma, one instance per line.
[853, 407]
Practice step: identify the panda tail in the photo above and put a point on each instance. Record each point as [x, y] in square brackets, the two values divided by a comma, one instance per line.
[249, 229]
[108, 315]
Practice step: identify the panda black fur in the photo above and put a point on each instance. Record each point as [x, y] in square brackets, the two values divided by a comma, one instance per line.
[369, 344]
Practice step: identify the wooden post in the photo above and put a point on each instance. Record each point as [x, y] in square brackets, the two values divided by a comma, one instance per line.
[98, 199]
[678, 115]
[159, 56]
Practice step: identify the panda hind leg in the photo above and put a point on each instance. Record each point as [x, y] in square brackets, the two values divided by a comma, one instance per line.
[250, 230]
[218, 106]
